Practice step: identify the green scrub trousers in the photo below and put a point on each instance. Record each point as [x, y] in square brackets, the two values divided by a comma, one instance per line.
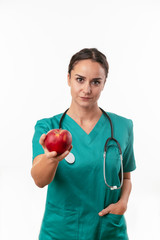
[78, 192]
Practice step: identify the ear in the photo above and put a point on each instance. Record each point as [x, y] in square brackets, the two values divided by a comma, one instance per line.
[103, 84]
[69, 80]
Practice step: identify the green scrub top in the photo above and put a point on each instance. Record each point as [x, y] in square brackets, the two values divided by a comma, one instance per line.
[78, 192]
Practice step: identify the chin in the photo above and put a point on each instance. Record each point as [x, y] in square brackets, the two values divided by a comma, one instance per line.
[86, 105]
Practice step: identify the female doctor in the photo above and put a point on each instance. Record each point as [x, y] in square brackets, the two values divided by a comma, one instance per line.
[80, 205]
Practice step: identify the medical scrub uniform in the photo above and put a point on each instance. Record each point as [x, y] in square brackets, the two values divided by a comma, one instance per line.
[78, 192]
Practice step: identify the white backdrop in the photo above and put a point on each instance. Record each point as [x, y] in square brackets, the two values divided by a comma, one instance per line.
[37, 40]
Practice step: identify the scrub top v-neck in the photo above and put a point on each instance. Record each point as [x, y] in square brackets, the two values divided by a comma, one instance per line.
[78, 192]
[87, 137]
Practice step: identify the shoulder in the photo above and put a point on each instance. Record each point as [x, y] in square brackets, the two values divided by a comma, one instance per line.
[48, 122]
[121, 121]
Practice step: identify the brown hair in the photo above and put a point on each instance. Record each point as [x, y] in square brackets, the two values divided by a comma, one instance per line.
[89, 53]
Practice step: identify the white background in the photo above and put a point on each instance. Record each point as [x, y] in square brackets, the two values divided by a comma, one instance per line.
[37, 40]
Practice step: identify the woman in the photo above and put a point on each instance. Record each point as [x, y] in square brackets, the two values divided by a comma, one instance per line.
[79, 205]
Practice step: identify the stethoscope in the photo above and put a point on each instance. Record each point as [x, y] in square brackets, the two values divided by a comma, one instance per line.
[70, 158]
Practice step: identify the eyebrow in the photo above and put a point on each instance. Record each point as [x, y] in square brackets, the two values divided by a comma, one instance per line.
[84, 77]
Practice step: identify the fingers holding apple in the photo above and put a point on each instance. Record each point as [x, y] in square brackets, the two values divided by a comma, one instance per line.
[41, 141]
[70, 148]
[57, 144]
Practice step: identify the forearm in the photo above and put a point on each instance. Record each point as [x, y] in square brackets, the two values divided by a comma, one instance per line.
[121, 206]
[43, 170]
[126, 189]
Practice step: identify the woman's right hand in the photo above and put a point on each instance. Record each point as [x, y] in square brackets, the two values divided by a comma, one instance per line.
[52, 155]
[45, 165]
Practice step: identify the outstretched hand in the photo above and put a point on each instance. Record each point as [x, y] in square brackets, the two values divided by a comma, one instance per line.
[52, 155]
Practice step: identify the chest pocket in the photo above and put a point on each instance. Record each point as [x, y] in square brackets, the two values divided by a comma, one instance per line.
[112, 164]
[59, 224]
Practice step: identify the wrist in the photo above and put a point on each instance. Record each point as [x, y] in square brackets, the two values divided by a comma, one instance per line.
[123, 203]
[54, 161]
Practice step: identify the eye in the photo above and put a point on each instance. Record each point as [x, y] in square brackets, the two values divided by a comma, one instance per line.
[96, 82]
[79, 79]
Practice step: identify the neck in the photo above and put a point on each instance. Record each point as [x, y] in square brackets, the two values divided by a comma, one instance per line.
[84, 114]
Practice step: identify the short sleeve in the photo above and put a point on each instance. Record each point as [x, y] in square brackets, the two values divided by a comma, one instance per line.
[40, 128]
[128, 156]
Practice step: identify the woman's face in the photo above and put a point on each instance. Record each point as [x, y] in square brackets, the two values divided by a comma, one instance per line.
[86, 81]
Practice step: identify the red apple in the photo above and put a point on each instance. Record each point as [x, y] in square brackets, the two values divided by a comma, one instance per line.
[58, 140]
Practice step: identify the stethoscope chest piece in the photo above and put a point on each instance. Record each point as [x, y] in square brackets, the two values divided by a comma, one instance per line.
[70, 158]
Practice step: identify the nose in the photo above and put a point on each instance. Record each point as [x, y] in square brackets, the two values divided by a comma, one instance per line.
[87, 88]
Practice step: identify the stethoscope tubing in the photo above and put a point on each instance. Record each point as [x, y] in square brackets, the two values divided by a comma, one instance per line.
[105, 150]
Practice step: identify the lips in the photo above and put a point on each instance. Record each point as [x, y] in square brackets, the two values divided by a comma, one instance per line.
[85, 98]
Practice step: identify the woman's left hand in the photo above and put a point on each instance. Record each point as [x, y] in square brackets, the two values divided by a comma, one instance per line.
[118, 208]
